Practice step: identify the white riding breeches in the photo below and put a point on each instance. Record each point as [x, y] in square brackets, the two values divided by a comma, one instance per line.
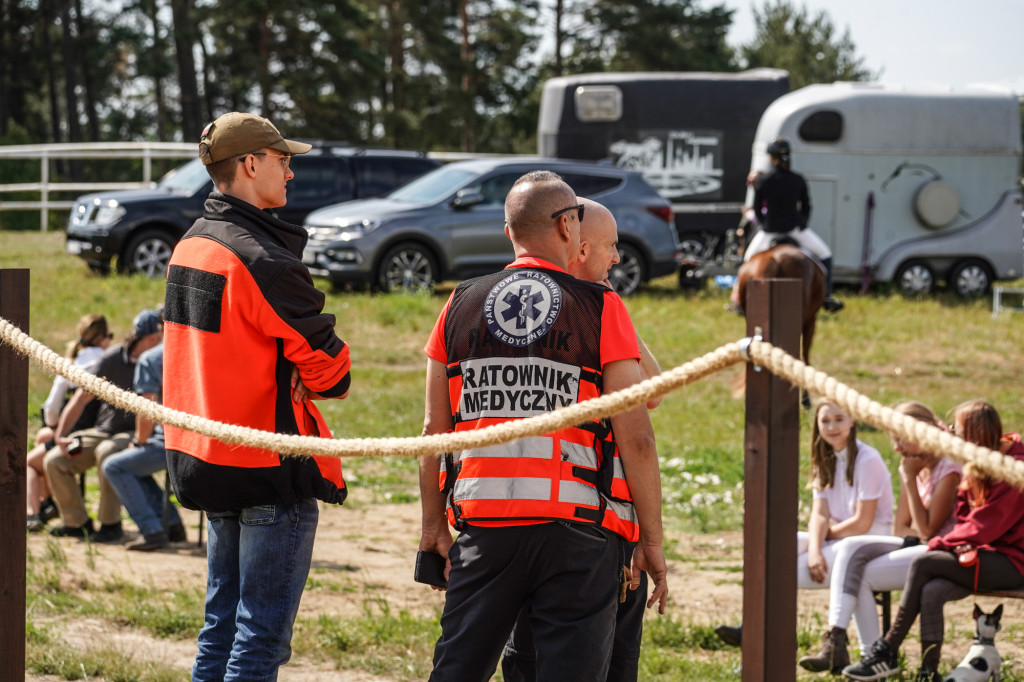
[865, 564]
[806, 239]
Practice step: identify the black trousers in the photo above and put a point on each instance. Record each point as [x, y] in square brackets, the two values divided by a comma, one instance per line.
[564, 574]
[519, 659]
[936, 577]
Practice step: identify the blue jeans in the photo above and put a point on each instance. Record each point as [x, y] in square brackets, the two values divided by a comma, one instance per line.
[130, 472]
[258, 561]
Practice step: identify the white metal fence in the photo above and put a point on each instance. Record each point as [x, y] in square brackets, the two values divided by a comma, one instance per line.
[45, 153]
[147, 151]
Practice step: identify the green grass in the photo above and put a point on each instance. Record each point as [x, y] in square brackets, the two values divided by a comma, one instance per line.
[939, 350]
[396, 645]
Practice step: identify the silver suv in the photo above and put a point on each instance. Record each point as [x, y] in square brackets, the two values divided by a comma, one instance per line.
[449, 224]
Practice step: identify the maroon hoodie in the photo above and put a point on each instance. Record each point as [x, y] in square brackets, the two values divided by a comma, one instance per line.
[997, 525]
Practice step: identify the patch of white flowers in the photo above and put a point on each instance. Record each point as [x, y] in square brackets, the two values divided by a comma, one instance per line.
[703, 497]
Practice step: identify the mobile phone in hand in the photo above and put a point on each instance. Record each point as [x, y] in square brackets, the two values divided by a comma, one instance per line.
[430, 569]
[74, 447]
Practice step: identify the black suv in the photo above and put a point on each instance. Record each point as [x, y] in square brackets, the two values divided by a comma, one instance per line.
[139, 228]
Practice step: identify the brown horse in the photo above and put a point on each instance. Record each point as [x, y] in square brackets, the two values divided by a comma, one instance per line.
[786, 261]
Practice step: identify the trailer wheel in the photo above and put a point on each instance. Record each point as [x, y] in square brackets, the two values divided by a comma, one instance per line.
[688, 278]
[915, 278]
[970, 279]
[692, 249]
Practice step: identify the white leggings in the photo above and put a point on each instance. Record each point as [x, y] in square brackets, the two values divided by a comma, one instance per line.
[865, 564]
[807, 239]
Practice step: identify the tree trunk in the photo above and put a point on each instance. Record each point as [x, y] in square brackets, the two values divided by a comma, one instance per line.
[6, 58]
[559, 35]
[70, 78]
[207, 85]
[396, 74]
[466, 54]
[150, 9]
[74, 168]
[266, 87]
[184, 41]
[45, 22]
[80, 46]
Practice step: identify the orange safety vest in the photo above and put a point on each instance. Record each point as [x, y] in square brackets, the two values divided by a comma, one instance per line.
[572, 474]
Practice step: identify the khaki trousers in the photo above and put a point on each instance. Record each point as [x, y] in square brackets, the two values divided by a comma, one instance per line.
[62, 472]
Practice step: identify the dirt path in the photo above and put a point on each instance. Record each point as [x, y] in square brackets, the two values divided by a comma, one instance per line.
[369, 550]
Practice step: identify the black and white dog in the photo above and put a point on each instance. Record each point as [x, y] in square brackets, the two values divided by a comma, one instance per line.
[982, 662]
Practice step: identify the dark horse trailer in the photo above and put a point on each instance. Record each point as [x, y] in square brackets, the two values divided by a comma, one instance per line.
[690, 134]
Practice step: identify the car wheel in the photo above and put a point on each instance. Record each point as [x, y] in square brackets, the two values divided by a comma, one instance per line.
[149, 252]
[915, 278]
[630, 272]
[970, 279]
[407, 267]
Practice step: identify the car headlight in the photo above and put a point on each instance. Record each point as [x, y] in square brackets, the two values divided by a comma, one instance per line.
[343, 229]
[108, 213]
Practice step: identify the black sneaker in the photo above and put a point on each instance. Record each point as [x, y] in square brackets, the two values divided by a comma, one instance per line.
[731, 635]
[109, 533]
[149, 543]
[48, 510]
[64, 531]
[832, 305]
[176, 533]
[34, 524]
[879, 663]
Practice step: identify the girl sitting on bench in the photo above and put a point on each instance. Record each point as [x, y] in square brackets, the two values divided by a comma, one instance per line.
[984, 552]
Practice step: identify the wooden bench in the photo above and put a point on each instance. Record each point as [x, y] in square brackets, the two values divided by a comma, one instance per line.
[884, 600]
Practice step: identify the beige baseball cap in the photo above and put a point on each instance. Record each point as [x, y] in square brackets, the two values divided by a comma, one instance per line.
[235, 133]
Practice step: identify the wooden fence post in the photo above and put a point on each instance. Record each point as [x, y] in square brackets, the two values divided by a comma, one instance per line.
[13, 437]
[771, 479]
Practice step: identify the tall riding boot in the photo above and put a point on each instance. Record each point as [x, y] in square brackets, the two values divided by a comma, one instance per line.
[830, 303]
[833, 655]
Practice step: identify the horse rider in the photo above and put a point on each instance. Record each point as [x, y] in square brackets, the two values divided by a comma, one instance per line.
[783, 207]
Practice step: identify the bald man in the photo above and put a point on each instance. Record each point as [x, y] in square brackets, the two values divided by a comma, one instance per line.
[542, 520]
[599, 252]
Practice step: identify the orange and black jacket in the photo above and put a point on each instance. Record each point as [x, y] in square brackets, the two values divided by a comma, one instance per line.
[240, 312]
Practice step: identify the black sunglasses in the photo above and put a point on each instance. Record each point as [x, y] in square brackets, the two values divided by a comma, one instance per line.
[578, 208]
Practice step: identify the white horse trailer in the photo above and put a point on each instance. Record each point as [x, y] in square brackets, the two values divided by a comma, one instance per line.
[913, 186]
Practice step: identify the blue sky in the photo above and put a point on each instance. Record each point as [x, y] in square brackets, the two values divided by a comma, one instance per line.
[949, 42]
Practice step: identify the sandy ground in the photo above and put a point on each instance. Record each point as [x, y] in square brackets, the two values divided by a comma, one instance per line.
[369, 551]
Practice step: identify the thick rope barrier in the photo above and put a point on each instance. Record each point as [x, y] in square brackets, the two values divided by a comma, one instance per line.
[776, 360]
[373, 447]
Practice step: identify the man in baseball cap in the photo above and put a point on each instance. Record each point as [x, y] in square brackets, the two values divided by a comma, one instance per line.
[248, 158]
[246, 342]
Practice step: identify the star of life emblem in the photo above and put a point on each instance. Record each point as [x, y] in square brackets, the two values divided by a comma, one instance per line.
[521, 307]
